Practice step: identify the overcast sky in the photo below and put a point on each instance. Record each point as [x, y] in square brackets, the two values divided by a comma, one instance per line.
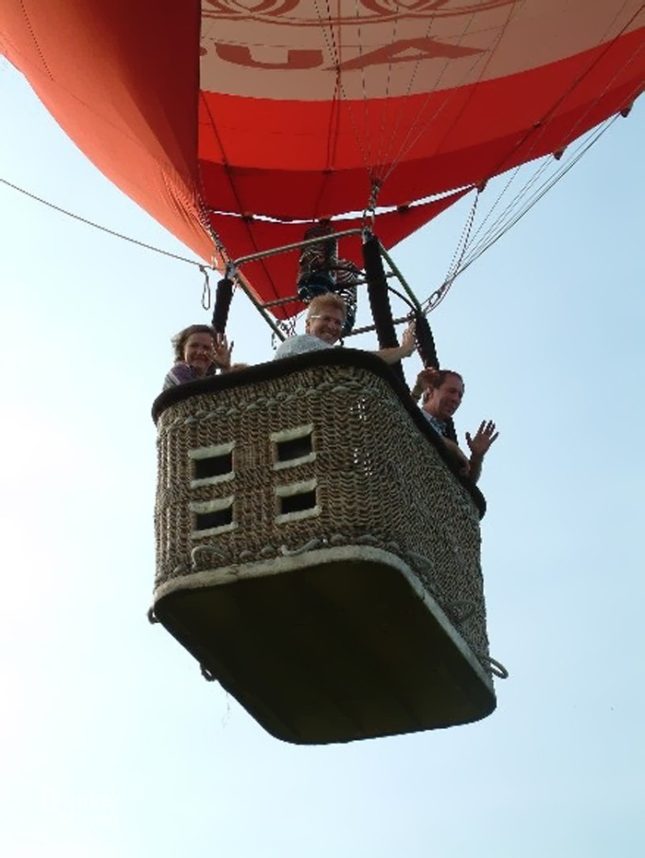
[111, 742]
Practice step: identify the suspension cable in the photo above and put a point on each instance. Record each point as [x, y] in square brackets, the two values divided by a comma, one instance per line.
[106, 229]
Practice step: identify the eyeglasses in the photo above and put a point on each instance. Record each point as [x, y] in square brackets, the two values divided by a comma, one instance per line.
[329, 320]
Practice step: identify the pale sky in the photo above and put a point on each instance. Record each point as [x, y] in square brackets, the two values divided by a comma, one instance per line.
[111, 742]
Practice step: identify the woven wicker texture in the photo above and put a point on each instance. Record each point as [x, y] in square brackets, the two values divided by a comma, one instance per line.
[379, 482]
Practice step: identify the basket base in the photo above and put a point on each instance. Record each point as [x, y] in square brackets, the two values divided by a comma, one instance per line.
[330, 646]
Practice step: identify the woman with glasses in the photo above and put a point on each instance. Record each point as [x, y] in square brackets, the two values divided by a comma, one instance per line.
[323, 326]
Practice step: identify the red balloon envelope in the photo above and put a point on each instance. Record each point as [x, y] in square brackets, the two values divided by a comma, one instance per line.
[284, 109]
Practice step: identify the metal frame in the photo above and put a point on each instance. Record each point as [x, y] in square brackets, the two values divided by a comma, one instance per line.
[233, 266]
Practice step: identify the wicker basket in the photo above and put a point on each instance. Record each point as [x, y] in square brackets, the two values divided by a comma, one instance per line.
[317, 553]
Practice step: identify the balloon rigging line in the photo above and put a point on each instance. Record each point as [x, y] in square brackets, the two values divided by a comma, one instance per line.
[514, 204]
[549, 182]
[468, 255]
[490, 237]
[544, 166]
[540, 128]
[229, 175]
[439, 294]
[202, 267]
[331, 41]
[420, 125]
[234, 190]
[464, 240]
[535, 141]
[483, 245]
[499, 218]
[359, 40]
[333, 52]
[201, 197]
[382, 153]
[227, 171]
[387, 151]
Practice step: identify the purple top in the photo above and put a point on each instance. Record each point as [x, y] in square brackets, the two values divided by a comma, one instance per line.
[183, 372]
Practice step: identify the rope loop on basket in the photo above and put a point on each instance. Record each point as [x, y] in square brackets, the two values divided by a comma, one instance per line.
[152, 618]
[496, 667]
[206, 288]
[308, 546]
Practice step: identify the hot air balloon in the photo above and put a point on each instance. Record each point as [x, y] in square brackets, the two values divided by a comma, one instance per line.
[326, 574]
[227, 120]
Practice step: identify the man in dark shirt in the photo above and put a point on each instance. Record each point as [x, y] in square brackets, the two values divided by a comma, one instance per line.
[443, 390]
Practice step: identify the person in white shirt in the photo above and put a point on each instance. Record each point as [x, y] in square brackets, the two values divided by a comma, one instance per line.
[323, 326]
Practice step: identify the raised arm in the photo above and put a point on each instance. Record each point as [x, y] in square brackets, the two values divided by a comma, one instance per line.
[396, 353]
[222, 352]
[479, 445]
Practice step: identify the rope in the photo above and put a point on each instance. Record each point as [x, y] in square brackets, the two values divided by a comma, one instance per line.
[208, 550]
[103, 228]
[495, 667]
[494, 234]
[540, 128]
[382, 148]
[471, 252]
[422, 122]
[302, 549]
[461, 248]
[454, 269]
[206, 289]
